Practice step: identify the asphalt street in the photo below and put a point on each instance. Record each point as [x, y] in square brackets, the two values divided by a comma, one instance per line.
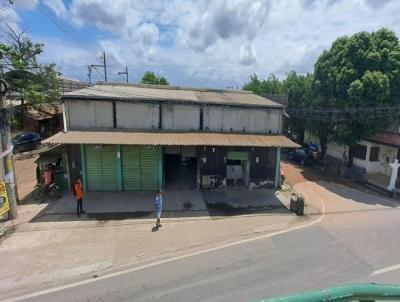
[331, 253]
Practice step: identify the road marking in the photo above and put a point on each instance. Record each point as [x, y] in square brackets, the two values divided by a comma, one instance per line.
[165, 261]
[385, 270]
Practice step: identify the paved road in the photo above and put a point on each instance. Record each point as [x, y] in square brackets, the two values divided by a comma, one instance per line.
[359, 235]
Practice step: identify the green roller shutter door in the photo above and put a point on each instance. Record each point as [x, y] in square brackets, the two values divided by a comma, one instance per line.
[130, 156]
[101, 164]
[150, 158]
[141, 167]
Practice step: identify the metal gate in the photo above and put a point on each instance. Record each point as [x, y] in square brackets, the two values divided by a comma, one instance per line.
[101, 167]
[141, 167]
[130, 156]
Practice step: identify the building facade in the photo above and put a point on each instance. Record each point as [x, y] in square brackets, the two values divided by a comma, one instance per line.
[144, 137]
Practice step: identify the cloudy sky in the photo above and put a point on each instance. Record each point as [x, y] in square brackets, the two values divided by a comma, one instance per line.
[214, 43]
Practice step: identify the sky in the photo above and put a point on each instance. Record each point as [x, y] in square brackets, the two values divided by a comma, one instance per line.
[214, 43]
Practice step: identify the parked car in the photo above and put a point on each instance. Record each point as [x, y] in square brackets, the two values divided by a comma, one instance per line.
[26, 142]
[302, 156]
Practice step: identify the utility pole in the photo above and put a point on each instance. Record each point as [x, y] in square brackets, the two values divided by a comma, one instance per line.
[7, 151]
[104, 66]
[125, 73]
[89, 67]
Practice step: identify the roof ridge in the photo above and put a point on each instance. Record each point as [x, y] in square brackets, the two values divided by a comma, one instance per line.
[168, 87]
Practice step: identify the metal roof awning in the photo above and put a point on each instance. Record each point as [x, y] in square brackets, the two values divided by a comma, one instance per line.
[170, 139]
[386, 138]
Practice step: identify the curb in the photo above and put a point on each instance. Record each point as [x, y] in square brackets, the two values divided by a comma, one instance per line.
[7, 229]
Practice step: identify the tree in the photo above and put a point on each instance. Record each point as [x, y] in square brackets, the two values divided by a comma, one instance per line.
[297, 87]
[299, 91]
[271, 85]
[36, 83]
[150, 78]
[356, 72]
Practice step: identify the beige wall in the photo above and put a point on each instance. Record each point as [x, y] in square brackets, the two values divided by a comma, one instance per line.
[88, 114]
[234, 119]
[180, 117]
[137, 116]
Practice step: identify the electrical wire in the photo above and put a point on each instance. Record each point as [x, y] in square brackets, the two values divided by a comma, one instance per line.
[70, 33]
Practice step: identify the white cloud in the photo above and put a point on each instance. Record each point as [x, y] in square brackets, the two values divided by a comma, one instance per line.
[217, 43]
[248, 54]
[57, 6]
[8, 17]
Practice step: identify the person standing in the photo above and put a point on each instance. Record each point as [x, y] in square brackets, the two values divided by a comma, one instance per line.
[78, 192]
[158, 208]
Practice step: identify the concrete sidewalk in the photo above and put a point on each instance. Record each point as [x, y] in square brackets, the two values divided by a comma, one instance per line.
[129, 202]
[176, 204]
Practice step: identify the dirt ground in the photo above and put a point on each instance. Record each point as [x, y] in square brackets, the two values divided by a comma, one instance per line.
[25, 171]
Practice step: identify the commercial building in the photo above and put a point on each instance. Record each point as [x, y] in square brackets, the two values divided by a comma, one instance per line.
[144, 137]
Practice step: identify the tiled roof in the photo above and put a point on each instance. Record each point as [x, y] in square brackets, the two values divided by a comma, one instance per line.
[170, 93]
[387, 138]
[170, 139]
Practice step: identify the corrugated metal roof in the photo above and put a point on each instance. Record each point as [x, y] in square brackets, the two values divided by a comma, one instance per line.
[170, 139]
[171, 93]
[386, 138]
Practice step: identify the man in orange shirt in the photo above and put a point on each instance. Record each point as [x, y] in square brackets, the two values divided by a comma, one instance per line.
[48, 176]
[78, 191]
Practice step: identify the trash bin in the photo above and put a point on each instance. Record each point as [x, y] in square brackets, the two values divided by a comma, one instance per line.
[293, 201]
[300, 206]
[297, 204]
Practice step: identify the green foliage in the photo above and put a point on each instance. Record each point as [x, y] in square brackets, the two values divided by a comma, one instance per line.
[297, 87]
[271, 85]
[358, 71]
[150, 78]
[37, 83]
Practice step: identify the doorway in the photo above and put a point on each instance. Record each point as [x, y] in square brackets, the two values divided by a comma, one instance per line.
[238, 173]
[180, 172]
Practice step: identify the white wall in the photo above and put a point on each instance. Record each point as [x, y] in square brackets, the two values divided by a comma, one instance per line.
[180, 117]
[137, 116]
[86, 114]
[337, 151]
[387, 154]
[236, 119]
[380, 166]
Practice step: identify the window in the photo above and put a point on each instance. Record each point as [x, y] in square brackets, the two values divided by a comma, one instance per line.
[374, 154]
[360, 151]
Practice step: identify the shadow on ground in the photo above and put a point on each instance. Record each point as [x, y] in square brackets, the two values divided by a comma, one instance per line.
[103, 206]
[240, 202]
[336, 184]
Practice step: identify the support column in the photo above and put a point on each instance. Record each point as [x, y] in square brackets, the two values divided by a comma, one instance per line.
[119, 168]
[160, 169]
[278, 168]
[83, 168]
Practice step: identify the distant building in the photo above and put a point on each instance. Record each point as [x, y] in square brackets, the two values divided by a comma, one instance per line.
[145, 137]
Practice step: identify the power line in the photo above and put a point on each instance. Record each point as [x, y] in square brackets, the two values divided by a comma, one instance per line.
[54, 20]
[345, 114]
[94, 66]
[125, 73]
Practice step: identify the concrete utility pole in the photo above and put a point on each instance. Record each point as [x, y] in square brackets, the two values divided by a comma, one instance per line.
[7, 151]
[104, 66]
[89, 67]
[125, 73]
